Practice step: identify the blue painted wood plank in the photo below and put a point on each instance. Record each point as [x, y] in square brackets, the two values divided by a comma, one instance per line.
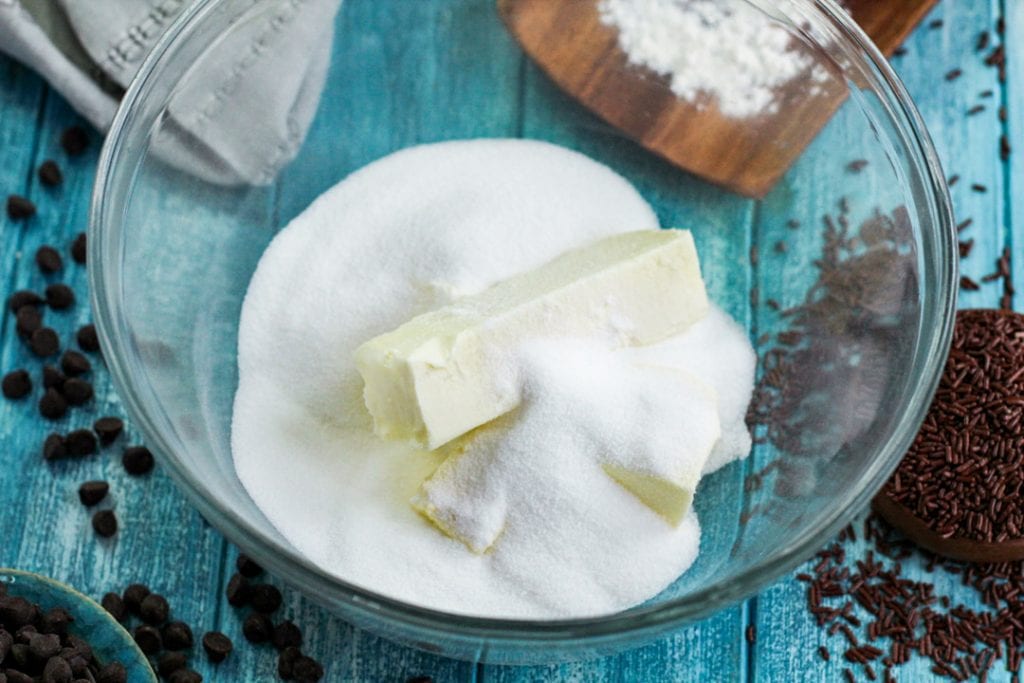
[155, 514]
[162, 542]
[787, 636]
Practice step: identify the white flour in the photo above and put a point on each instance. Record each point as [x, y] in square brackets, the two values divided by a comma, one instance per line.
[406, 234]
[724, 49]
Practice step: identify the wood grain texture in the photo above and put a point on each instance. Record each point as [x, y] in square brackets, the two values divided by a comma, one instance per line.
[167, 545]
[570, 43]
[787, 635]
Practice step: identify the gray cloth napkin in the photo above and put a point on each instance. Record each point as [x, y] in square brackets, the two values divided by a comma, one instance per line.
[238, 117]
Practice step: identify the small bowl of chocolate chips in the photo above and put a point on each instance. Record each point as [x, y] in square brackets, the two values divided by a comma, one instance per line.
[52, 633]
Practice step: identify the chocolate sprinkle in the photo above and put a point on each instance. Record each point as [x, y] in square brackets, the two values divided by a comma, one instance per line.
[963, 475]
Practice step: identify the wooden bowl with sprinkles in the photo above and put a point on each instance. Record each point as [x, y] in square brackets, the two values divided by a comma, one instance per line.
[959, 491]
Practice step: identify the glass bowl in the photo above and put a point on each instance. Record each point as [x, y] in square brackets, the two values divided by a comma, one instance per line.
[845, 276]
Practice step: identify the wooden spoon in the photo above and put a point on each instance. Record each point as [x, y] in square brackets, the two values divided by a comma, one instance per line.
[568, 41]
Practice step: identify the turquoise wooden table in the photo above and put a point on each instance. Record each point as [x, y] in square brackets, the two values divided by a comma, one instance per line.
[166, 544]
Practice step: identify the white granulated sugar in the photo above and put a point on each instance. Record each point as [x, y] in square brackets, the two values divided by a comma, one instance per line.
[722, 49]
[408, 234]
[584, 406]
[730, 372]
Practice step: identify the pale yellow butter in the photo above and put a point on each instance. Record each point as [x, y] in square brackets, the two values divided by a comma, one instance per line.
[434, 378]
[664, 477]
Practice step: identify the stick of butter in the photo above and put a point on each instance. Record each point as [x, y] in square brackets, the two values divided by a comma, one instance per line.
[438, 376]
[668, 424]
[664, 470]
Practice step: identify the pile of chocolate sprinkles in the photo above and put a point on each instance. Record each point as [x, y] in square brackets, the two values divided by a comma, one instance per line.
[883, 619]
[964, 474]
[861, 301]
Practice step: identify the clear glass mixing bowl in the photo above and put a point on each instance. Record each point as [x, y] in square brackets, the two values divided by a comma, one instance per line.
[171, 257]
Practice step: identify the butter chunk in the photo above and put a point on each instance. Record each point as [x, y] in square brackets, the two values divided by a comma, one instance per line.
[466, 496]
[649, 429]
[444, 373]
[663, 471]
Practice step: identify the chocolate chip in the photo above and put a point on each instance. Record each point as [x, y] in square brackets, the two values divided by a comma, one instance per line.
[114, 672]
[16, 612]
[59, 296]
[248, 567]
[217, 646]
[112, 602]
[44, 342]
[15, 676]
[57, 670]
[78, 663]
[92, 492]
[104, 523]
[286, 662]
[137, 460]
[108, 429]
[148, 639]
[53, 405]
[265, 598]
[77, 391]
[23, 298]
[87, 338]
[73, 364]
[44, 645]
[74, 140]
[19, 207]
[307, 670]
[134, 595]
[169, 662]
[81, 442]
[238, 590]
[56, 620]
[154, 609]
[24, 634]
[177, 636]
[80, 647]
[55, 447]
[48, 259]
[53, 378]
[185, 676]
[28, 319]
[78, 251]
[286, 634]
[49, 173]
[16, 384]
[257, 628]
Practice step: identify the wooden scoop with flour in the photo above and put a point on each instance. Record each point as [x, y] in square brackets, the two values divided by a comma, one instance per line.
[567, 39]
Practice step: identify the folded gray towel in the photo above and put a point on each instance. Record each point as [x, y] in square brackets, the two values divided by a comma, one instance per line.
[241, 112]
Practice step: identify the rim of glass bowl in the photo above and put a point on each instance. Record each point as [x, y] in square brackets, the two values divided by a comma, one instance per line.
[939, 277]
